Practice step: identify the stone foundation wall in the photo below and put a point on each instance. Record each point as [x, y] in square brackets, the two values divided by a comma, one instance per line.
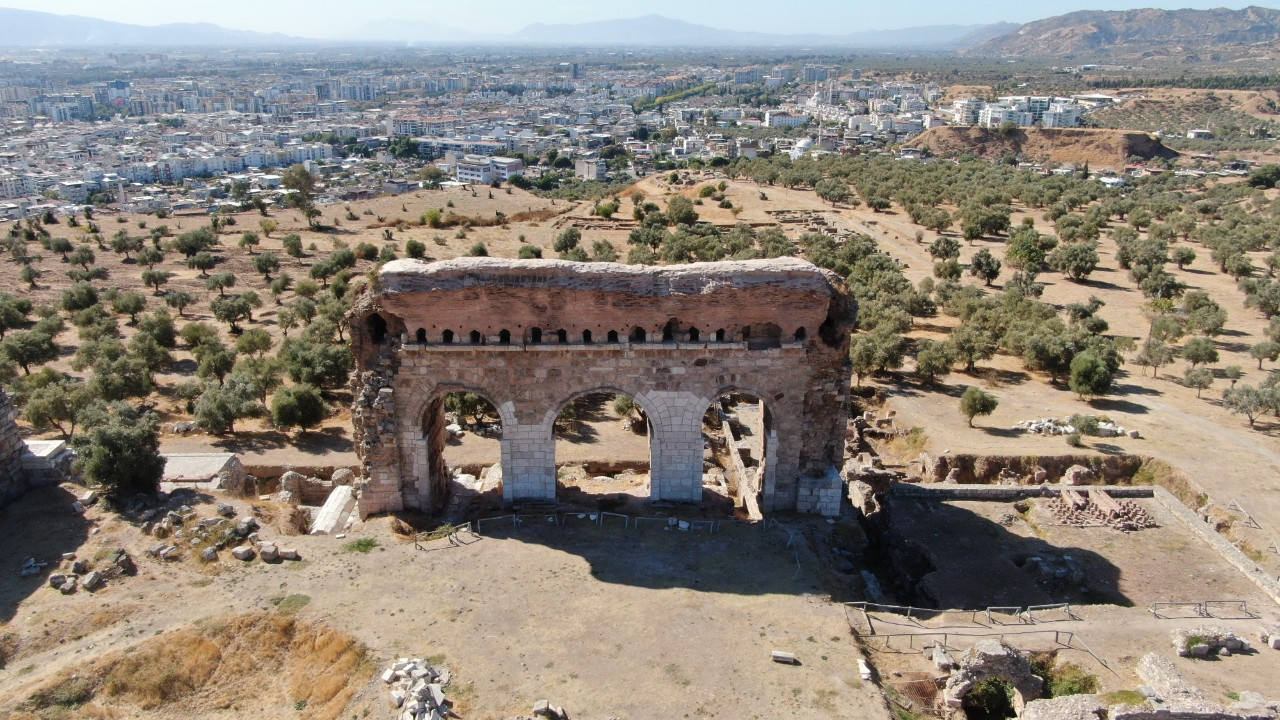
[820, 495]
[13, 481]
[672, 339]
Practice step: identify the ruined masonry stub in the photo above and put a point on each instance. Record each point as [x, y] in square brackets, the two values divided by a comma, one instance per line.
[532, 335]
[12, 480]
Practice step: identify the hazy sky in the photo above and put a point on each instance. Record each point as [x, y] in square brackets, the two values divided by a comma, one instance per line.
[329, 18]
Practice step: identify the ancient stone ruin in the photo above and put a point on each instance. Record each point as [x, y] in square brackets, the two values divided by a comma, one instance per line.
[530, 336]
[12, 480]
[28, 464]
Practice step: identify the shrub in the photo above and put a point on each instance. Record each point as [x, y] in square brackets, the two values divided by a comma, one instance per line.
[79, 296]
[298, 406]
[121, 452]
[1090, 376]
[363, 545]
[1085, 424]
[975, 402]
[1064, 678]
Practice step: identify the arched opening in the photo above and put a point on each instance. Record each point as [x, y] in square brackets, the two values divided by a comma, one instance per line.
[762, 336]
[535, 336]
[737, 430]
[989, 699]
[800, 335]
[586, 337]
[377, 329]
[602, 452]
[562, 336]
[420, 336]
[637, 335]
[447, 337]
[463, 433]
[670, 330]
[476, 337]
[612, 336]
[694, 336]
[504, 337]
[720, 335]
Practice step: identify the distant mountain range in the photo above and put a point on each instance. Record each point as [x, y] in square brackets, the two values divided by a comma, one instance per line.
[27, 28]
[1180, 34]
[1252, 31]
[657, 30]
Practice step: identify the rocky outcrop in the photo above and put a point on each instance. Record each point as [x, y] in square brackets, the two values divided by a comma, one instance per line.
[1097, 148]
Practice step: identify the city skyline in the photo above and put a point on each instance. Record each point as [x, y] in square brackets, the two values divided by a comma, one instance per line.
[311, 20]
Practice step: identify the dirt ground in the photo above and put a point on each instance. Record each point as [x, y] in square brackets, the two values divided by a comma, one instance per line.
[1106, 641]
[604, 621]
[981, 555]
[1216, 449]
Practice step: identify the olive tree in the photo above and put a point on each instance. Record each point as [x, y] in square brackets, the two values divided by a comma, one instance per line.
[975, 402]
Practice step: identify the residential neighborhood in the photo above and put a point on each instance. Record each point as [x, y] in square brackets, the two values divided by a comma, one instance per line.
[167, 142]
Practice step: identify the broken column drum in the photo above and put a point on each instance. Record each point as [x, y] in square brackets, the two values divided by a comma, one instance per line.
[530, 336]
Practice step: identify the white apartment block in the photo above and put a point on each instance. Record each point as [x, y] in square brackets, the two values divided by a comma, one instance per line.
[778, 118]
[484, 169]
[966, 110]
[996, 115]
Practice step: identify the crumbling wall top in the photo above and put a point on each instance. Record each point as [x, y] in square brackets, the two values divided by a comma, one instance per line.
[414, 276]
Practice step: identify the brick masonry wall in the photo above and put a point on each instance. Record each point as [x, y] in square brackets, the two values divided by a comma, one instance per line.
[800, 372]
[13, 481]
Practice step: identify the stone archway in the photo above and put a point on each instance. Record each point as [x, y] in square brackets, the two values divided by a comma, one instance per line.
[429, 308]
[591, 443]
[675, 440]
[989, 659]
[750, 448]
[423, 453]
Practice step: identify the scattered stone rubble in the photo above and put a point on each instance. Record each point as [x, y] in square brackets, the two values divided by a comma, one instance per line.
[1098, 509]
[1053, 426]
[456, 430]
[1168, 697]
[76, 574]
[417, 689]
[1205, 641]
[1077, 475]
[179, 530]
[1169, 693]
[1067, 707]
[1270, 636]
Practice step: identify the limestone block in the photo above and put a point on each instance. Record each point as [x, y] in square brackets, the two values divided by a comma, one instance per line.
[335, 511]
[1069, 707]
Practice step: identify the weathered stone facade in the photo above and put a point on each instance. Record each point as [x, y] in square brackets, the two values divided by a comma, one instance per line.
[532, 335]
[13, 481]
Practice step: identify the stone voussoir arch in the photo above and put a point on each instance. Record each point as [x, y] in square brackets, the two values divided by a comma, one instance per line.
[402, 373]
